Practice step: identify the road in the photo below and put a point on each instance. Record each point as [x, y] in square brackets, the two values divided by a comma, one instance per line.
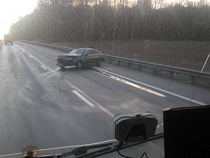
[43, 106]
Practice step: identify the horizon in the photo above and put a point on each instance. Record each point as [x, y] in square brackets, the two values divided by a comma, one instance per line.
[11, 11]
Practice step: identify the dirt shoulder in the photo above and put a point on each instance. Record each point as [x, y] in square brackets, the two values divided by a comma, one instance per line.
[186, 54]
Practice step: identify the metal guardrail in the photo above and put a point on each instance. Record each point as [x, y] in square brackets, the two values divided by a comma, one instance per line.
[196, 77]
[156, 67]
[61, 48]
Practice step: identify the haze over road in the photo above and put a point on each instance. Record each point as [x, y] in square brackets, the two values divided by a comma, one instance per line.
[43, 106]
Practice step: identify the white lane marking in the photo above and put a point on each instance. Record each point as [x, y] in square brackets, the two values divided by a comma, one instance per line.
[51, 53]
[89, 98]
[18, 46]
[156, 88]
[137, 86]
[6, 155]
[50, 72]
[83, 93]
[83, 98]
[30, 55]
[64, 147]
[42, 64]
[43, 67]
[23, 50]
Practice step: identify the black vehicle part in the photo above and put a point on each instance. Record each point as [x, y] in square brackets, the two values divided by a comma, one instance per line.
[108, 150]
[133, 128]
[187, 132]
[99, 63]
[83, 150]
[105, 148]
[62, 67]
[79, 65]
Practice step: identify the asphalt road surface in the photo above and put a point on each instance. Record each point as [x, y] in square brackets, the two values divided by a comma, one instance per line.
[43, 106]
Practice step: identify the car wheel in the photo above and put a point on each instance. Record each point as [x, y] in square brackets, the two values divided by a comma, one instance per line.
[79, 65]
[99, 63]
[62, 67]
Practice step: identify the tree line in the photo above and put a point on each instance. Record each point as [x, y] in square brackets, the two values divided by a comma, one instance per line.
[90, 20]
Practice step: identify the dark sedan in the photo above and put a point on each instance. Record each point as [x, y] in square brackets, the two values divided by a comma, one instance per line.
[80, 57]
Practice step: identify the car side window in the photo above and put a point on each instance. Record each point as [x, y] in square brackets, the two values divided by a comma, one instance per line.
[94, 52]
[88, 53]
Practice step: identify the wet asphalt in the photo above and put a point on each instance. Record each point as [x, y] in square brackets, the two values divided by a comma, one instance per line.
[43, 106]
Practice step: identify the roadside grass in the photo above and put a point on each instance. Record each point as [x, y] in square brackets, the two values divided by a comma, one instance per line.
[185, 54]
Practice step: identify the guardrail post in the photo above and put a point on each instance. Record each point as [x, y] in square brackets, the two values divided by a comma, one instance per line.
[154, 71]
[129, 64]
[193, 80]
[118, 63]
[108, 60]
[171, 74]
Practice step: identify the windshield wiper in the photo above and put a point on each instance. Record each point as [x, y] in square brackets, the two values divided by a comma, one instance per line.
[115, 148]
[83, 150]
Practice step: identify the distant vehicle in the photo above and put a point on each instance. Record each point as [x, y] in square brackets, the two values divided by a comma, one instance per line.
[8, 39]
[80, 57]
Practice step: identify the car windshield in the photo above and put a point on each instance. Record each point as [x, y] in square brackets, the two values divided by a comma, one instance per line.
[68, 67]
[78, 51]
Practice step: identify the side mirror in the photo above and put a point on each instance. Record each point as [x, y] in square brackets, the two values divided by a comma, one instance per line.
[134, 127]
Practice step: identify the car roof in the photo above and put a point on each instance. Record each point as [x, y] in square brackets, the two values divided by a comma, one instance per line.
[87, 48]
